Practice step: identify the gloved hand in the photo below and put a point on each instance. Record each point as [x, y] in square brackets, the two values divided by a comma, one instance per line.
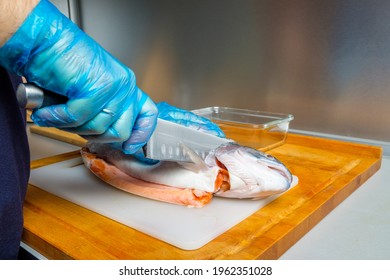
[189, 119]
[104, 104]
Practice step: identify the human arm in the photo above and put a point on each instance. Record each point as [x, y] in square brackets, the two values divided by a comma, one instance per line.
[12, 15]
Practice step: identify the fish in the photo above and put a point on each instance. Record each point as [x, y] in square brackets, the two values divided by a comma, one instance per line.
[229, 171]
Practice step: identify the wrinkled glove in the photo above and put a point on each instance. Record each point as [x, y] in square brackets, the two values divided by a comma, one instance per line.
[105, 105]
[189, 119]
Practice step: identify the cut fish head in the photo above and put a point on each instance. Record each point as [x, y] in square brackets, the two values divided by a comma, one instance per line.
[253, 174]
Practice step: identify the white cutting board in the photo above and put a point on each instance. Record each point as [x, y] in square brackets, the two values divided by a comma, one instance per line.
[186, 228]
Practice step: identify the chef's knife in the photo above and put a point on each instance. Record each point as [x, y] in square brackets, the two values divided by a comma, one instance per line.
[169, 141]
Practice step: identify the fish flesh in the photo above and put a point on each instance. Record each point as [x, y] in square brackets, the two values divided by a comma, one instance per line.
[231, 171]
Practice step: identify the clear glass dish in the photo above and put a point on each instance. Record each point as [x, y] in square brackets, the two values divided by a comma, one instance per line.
[256, 129]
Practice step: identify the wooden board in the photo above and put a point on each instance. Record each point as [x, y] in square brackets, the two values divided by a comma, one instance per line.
[58, 134]
[328, 171]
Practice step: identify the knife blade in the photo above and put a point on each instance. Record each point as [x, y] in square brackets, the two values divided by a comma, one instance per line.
[169, 141]
[175, 142]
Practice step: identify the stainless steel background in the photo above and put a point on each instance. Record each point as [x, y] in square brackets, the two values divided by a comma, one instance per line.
[325, 62]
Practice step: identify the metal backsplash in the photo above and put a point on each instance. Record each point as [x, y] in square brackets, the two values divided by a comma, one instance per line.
[325, 62]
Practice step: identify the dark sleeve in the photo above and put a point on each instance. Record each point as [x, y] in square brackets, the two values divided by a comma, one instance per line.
[14, 166]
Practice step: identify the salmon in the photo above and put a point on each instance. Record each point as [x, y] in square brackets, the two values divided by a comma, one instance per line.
[231, 171]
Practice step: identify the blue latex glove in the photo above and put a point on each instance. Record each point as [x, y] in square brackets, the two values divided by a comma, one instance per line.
[104, 104]
[189, 119]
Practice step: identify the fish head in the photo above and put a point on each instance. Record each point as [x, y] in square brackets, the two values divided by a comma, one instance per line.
[253, 173]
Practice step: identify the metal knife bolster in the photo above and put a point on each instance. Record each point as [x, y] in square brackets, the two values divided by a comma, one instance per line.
[171, 141]
[30, 96]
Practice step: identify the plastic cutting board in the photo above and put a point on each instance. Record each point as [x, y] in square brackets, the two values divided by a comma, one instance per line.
[186, 228]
